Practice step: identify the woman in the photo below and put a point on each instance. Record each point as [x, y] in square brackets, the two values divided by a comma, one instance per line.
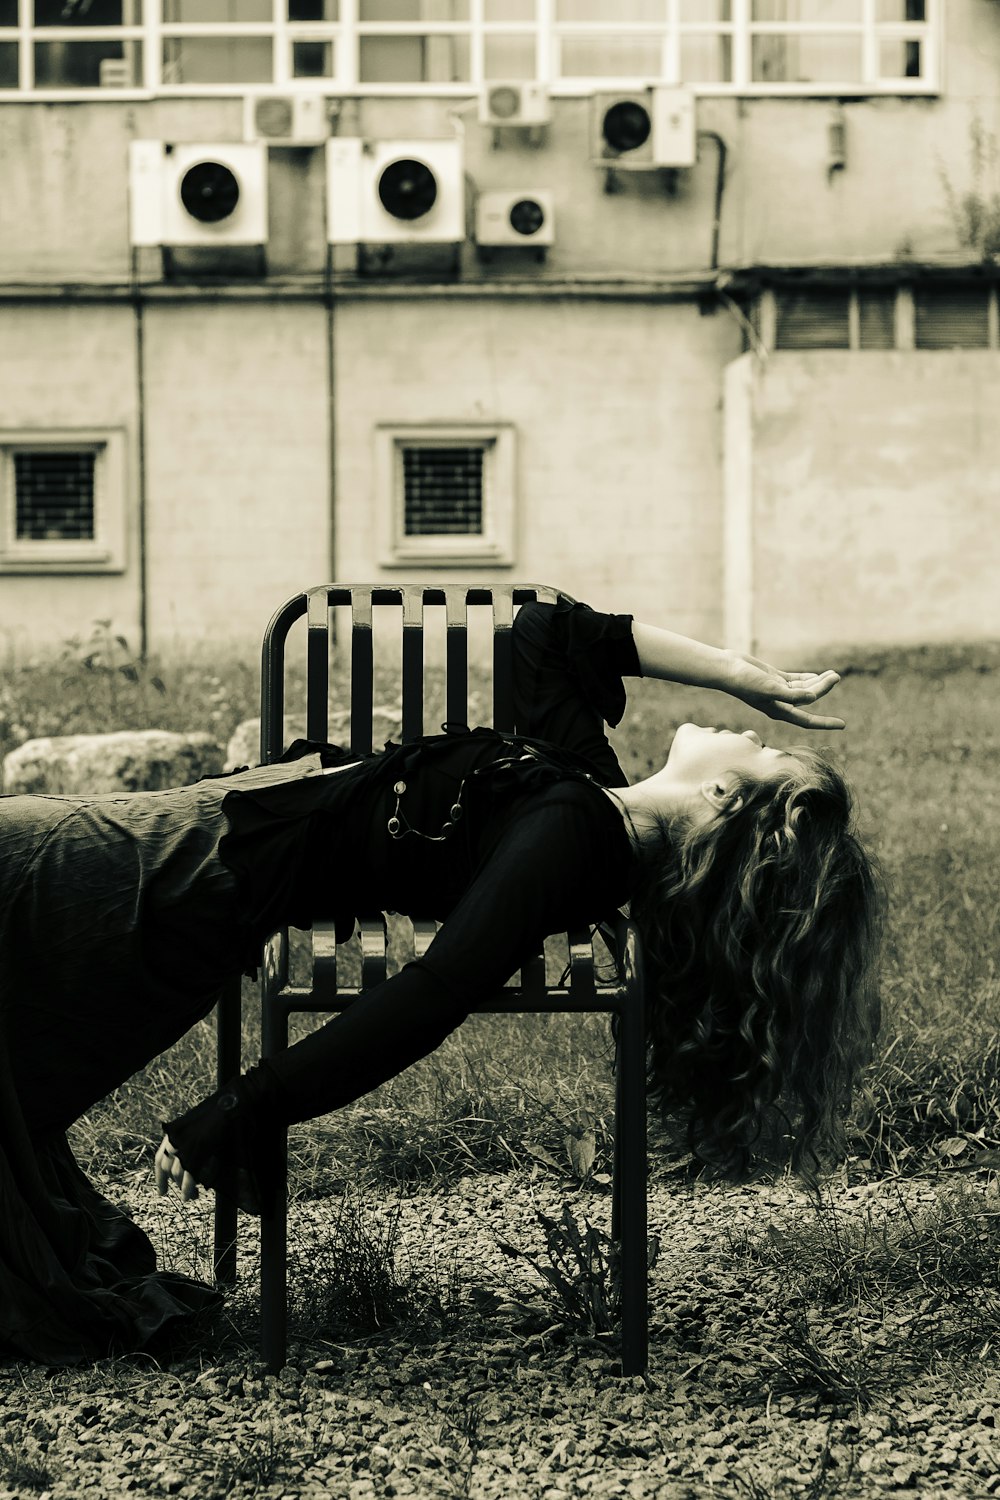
[121, 917]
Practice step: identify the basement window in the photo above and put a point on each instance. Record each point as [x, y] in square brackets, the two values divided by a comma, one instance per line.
[61, 502]
[446, 495]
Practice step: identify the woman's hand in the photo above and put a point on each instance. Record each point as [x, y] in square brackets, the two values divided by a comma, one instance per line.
[779, 694]
[168, 1169]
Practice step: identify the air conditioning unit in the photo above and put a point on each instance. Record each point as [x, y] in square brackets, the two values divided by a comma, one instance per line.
[646, 130]
[394, 192]
[514, 104]
[286, 119]
[197, 195]
[515, 218]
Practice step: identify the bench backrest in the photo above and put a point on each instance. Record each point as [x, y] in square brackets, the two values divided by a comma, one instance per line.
[327, 694]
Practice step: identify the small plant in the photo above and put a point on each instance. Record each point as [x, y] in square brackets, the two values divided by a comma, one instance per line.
[976, 212]
[107, 663]
[346, 1279]
[582, 1274]
[24, 1467]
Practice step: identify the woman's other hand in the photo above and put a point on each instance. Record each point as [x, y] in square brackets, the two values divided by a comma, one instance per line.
[781, 695]
[169, 1169]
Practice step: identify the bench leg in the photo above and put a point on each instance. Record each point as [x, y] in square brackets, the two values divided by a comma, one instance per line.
[274, 1231]
[229, 1033]
[629, 1213]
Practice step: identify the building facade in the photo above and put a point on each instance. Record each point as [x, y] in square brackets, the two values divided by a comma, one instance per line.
[688, 306]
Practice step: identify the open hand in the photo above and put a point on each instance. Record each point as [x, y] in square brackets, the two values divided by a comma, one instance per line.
[168, 1169]
[781, 695]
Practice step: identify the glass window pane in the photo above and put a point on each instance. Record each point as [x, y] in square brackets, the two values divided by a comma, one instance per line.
[312, 60]
[841, 11]
[610, 56]
[313, 10]
[506, 56]
[414, 59]
[509, 10]
[214, 11]
[8, 65]
[806, 59]
[413, 10]
[900, 58]
[8, 12]
[706, 10]
[877, 319]
[813, 320]
[901, 10]
[88, 65]
[612, 10]
[951, 317]
[217, 59]
[706, 59]
[73, 13]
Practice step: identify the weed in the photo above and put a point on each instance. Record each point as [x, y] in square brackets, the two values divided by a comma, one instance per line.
[582, 1272]
[24, 1466]
[346, 1278]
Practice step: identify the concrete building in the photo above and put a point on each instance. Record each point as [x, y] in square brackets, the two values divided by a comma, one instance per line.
[689, 306]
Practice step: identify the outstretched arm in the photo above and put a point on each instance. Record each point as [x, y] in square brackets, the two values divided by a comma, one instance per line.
[770, 690]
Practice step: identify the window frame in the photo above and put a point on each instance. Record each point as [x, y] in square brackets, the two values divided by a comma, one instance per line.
[105, 552]
[494, 547]
[550, 35]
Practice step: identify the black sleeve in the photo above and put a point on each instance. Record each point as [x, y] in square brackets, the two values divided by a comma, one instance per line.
[560, 864]
[556, 867]
[569, 661]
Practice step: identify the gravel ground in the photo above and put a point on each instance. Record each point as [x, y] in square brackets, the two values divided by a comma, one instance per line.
[754, 1390]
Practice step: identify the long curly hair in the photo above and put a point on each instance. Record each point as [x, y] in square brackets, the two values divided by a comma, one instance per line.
[761, 930]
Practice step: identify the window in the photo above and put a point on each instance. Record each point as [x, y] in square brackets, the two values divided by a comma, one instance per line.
[934, 314]
[446, 495]
[62, 502]
[951, 317]
[833, 47]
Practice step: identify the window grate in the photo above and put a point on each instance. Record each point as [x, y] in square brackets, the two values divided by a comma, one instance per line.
[817, 319]
[54, 496]
[443, 490]
[952, 317]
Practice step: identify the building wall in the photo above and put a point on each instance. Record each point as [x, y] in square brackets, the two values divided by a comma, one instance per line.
[237, 462]
[616, 415]
[64, 210]
[633, 487]
[866, 511]
[71, 367]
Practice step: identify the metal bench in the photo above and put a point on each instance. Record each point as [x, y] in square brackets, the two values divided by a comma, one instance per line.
[527, 992]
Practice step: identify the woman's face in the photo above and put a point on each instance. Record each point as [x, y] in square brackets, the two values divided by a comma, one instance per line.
[700, 755]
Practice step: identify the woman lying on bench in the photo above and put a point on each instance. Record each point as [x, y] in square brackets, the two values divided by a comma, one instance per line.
[122, 916]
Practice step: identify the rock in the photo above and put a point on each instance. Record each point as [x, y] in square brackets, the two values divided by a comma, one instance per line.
[244, 744]
[141, 760]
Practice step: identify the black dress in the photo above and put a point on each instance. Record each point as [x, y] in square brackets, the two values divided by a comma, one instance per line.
[120, 918]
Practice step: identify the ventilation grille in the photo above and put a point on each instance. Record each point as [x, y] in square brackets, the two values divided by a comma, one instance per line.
[443, 491]
[952, 317]
[813, 320]
[54, 496]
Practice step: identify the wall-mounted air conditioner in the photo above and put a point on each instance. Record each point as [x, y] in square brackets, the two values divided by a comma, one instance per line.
[515, 217]
[181, 195]
[286, 119]
[646, 130]
[514, 104]
[394, 192]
